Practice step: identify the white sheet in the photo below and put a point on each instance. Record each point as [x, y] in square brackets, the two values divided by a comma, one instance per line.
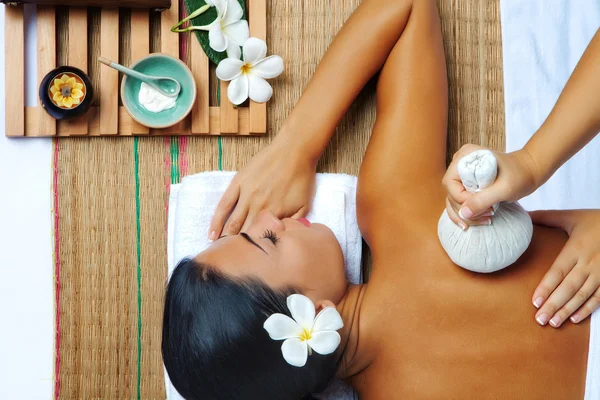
[26, 270]
[542, 41]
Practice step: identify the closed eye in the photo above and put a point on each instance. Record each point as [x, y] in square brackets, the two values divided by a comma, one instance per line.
[272, 236]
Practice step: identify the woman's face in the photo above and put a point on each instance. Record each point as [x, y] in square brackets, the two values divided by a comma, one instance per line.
[283, 253]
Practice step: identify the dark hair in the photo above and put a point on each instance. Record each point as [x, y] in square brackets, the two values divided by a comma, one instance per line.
[214, 345]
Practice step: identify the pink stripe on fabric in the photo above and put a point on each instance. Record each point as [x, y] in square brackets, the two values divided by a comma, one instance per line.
[56, 269]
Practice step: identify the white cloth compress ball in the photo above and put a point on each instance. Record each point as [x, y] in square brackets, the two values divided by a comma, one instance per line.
[486, 248]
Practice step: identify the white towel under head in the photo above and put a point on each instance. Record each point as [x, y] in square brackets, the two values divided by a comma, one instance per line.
[193, 202]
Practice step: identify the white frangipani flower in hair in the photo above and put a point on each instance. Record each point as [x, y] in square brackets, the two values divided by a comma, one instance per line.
[248, 76]
[305, 332]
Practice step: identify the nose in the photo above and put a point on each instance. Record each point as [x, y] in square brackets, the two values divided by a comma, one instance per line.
[268, 220]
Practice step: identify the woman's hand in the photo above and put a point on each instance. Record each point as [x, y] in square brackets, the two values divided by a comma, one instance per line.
[517, 177]
[280, 178]
[571, 288]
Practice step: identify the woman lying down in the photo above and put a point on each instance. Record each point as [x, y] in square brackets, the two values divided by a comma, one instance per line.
[268, 314]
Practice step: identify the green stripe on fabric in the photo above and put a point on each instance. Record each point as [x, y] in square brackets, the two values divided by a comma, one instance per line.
[219, 140]
[139, 264]
[175, 168]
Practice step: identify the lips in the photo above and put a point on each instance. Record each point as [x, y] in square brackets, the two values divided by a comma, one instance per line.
[304, 222]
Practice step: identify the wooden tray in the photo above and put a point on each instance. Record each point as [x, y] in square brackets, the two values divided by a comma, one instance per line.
[108, 118]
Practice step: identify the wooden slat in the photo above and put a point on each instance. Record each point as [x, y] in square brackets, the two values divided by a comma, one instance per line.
[140, 48]
[229, 113]
[169, 41]
[78, 57]
[257, 11]
[46, 62]
[169, 44]
[31, 121]
[109, 78]
[200, 69]
[15, 71]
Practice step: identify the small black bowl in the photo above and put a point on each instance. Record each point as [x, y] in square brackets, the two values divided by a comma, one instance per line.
[60, 112]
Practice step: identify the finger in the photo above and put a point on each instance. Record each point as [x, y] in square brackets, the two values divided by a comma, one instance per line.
[453, 215]
[456, 190]
[554, 218]
[565, 291]
[487, 214]
[236, 219]
[589, 307]
[575, 303]
[224, 208]
[301, 213]
[563, 264]
[252, 214]
[479, 202]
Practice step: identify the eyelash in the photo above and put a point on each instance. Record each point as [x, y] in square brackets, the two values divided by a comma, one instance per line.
[272, 236]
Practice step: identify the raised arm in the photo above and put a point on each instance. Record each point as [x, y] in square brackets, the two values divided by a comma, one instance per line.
[573, 122]
[281, 177]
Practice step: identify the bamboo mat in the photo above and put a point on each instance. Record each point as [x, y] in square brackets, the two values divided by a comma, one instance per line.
[111, 194]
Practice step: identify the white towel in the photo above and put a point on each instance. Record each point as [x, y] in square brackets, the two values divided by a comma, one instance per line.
[193, 202]
[542, 41]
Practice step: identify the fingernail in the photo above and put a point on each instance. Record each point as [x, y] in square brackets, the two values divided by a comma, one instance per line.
[487, 214]
[542, 319]
[555, 321]
[213, 236]
[489, 222]
[465, 213]
[575, 318]
[538, 302]
[463, 226]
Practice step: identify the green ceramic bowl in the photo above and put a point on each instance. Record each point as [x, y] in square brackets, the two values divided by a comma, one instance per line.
[159, 65]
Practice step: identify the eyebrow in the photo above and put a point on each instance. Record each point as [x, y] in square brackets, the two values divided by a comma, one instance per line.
[249, 239]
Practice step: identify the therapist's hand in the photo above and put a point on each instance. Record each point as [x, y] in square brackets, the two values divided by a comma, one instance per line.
[280, 178]
[571, 288]
[517, 177]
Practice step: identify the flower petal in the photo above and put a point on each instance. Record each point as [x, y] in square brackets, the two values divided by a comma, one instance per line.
[216, 39]
[210, 2]
[72, 82]
[238, 90]
[237, 32]
[295, 352]
[233, 51]
[325, 342]
[64, 78]
[58, 83]
[76, 101]
[68, 102]
[301, 307]
[57, 96]
[234, 12]
[328, 319]
[254, 50]
[280, 326]
[54, 90]
[78, 86]
[77, 94]
[229, 69]
[260, 91]
[268, 68]
[220, 5]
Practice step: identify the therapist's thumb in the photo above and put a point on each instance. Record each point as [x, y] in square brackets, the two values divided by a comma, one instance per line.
[480, 202]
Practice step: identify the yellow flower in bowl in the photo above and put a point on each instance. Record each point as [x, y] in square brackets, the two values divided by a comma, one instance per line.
[67, 91]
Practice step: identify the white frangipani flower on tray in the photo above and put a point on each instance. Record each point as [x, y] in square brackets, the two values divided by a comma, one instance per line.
[248, 76]
[305, 332]
[228, 31]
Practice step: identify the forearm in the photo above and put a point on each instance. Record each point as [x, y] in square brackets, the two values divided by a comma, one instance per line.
[357, 53]
[574, 120]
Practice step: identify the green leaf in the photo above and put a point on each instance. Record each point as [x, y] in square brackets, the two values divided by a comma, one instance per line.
[204, 19]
